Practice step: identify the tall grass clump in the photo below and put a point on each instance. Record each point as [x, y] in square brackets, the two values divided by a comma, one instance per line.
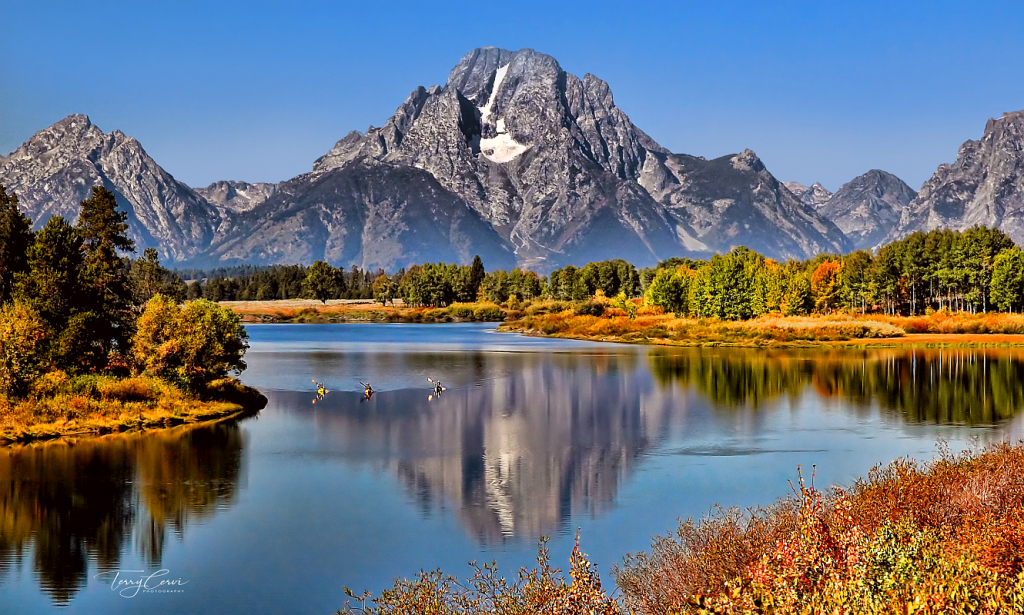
[542, 589]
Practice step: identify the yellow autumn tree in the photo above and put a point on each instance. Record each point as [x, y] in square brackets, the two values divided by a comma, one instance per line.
[191, 344]
[825, 285]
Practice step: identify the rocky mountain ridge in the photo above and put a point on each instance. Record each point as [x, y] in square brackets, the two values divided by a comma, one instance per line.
[516, 160]
[868, 207]
[984, 186]
[57, 168]
[237, 196]
[562, 174]
[816, 195]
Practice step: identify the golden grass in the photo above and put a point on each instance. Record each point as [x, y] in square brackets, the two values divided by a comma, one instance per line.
[59, 405]
[958, 323]
[359, 310]
[652, 326]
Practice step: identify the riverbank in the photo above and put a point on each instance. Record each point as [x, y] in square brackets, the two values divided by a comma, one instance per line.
[651, 327]
[59, 405]
[360, 310]
[941, 537]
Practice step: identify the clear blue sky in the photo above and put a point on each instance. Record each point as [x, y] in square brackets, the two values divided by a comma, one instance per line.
[254, 91]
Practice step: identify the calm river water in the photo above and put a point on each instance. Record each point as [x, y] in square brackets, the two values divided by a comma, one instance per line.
[277, 513]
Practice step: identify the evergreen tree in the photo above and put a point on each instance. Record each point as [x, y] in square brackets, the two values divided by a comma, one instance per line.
[476, 274]
[105, 277]
[51, 285]
[15, 240]
[149, 278]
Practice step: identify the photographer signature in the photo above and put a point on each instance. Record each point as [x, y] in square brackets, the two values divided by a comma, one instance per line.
[128, 585]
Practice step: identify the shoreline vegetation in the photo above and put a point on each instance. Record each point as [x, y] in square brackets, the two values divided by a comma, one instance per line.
[649, 325]
[632, 322]
[62, 406]
[94, 342]
[945, 536]
[361, 310]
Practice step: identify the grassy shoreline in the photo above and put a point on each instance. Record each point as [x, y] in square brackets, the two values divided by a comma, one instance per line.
[309, 311]
[650, 326]
[60, 406]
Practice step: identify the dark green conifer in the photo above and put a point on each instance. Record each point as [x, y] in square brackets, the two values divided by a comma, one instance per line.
[15, 240]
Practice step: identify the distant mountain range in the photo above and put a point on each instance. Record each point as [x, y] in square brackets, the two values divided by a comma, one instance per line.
[520, 162]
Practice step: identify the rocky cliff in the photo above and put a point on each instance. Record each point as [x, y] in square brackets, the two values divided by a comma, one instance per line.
[237, 196]
[512, 158]
[984, 186]
[868, 207]
[816, 195]
[564, 177]
[57, 168]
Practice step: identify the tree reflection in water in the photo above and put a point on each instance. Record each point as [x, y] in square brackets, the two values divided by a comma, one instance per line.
[68, 503]
[964, 387]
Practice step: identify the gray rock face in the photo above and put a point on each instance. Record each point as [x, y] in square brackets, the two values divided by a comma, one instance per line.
[867, 208]
[513, 158]
[734, 200]
[816, 195]
[984, 186]
[562, 174]
[371, 215]
[237, 196]
[58, 167]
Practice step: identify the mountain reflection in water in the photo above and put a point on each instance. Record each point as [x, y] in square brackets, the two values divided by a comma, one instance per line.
[69, 504]
[519, 443]
[522, 442]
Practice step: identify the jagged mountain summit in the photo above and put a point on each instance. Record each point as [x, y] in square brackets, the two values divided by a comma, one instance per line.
[816, 195]
[867, 208]
[237, 196]
[564, 177]
[512, 158]
[57, 168]
[984, 186]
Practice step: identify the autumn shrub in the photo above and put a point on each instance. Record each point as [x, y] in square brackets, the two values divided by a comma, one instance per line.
[128, 389]
[190, 345]
[942, 537]
[540, 590]
[22, 347]
[489, 313]
[50, 383]
[590, 308]
[461, 310]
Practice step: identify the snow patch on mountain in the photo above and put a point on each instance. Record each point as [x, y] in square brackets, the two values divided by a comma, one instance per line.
[499, 76]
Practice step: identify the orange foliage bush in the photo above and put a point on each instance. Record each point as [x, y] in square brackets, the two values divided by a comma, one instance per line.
[946, 537]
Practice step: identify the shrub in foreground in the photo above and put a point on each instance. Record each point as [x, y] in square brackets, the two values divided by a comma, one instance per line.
[540, 590]
[22, 340]
[942, 538]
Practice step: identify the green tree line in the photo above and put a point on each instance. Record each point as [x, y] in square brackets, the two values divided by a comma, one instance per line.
[70, 301]
[977, 270]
